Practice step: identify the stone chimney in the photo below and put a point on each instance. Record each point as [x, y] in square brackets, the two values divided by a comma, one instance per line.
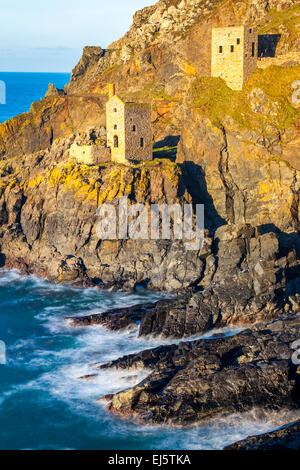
[111, 90]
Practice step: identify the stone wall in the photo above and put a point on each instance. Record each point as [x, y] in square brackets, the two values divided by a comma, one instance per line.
[250, 62]
[90, 154]
[234, 66]
[137, 127]
[115, 117]
[129, 122]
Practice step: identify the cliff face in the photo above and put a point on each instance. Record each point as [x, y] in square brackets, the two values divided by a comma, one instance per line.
[52, 118]
[240, 175]
[167, 46]
[238, 152]
[49, 221]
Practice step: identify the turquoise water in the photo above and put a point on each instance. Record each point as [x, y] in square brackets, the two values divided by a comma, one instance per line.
[44, 405]
[22, 89]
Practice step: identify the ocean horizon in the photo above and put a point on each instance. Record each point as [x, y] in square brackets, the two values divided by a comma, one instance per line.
[24, 88]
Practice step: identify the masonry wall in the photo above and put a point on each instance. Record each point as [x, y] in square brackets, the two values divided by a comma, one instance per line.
[90, 154]
[137, 127]
[250, 63]
[116, 118]
[228, 65]
[234, 67]
[82, 153]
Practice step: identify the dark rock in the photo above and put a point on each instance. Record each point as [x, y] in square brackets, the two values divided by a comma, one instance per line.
[285, 438]
[195, 380]
[116, 319]
[247, 278]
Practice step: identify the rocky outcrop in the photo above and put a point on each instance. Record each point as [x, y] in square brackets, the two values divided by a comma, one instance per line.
[286, 438]
[116, 319]
[170, 40]
[195, 380]
[167, 46]
[53, 91]
[238, 154]
[247, 277]
[239, 171]
[49, 221]
[90, 57]
[48, 213]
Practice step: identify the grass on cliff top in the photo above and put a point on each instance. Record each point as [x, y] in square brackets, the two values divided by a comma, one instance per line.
[152, 91]
[216, 100]
[165, 152]
[288, 18]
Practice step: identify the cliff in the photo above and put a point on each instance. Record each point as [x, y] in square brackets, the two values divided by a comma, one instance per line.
[163, 59]
[48, 217]
[237, 151]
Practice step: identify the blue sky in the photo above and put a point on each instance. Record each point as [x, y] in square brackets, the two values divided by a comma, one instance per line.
[49, 36]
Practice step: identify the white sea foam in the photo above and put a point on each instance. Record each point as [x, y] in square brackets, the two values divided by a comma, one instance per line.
[221, 431]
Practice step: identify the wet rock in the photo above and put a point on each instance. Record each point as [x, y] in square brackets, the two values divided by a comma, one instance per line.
[116, 319]
[195, 380]
[71, 269]
[286, 438]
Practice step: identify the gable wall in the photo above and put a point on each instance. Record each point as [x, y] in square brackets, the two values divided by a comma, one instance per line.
[228, 65]
[116, 118]
[140, 117]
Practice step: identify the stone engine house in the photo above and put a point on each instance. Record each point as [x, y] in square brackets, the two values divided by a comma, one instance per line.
[234, 54]
[129, 131]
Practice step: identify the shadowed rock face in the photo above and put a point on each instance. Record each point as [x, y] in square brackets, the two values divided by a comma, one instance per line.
[286, 438]
[117, 319]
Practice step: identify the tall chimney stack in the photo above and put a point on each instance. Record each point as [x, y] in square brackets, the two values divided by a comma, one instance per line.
[111, 90]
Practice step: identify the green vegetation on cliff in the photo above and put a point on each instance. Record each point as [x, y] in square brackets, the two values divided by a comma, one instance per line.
[279, 20]
[272, 107]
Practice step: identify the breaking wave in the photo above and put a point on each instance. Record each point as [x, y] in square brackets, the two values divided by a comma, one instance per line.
[44, 404]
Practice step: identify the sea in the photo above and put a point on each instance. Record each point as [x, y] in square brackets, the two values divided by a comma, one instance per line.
[20, 90]
[44, 402]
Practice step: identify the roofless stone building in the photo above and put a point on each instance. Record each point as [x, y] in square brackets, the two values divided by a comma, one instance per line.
[234, 54]
[129, 130]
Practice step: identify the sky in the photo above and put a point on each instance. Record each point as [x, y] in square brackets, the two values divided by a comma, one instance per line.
[37, 36]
